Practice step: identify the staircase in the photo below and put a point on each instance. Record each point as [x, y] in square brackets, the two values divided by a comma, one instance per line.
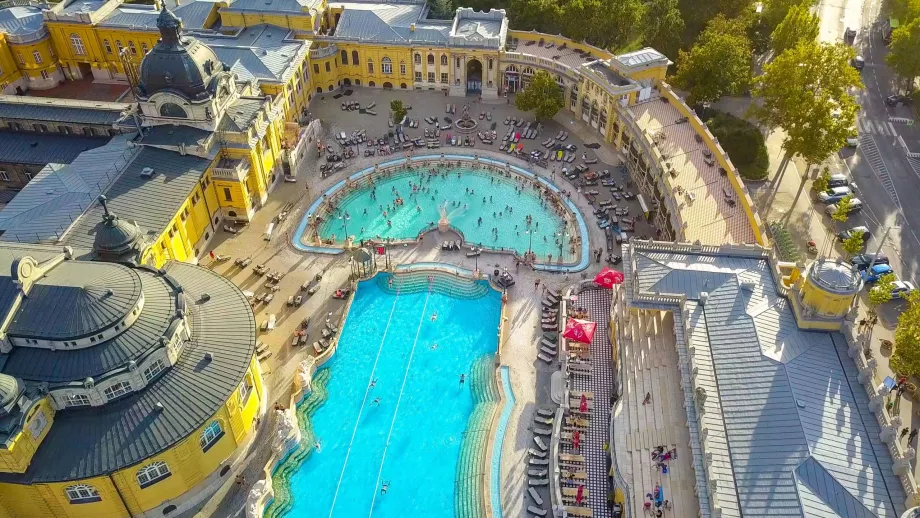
[473, 464]
[441, 282]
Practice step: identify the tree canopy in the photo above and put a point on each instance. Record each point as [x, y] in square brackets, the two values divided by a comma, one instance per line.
[743, 142]
[853, 244]
[881, 292]
[664, 26]
[399, 111]
[805, 90]
[906, 357]
[844, 206]
[799, 25]
[543, 95]
[775, 11]
[718, 64]
[904, 53]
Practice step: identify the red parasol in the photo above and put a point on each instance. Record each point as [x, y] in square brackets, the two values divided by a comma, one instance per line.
[607, 278]
[580, 494]
[584, 404]
[579, 330]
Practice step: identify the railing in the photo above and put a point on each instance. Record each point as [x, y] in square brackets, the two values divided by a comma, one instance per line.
[520, 57]
[324, 52]
[237, 171]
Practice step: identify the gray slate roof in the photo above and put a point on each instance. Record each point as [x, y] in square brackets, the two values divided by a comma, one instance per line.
[82, 6]
[87, 442]
[136, 16]
[51, 111]
[389, 23]
[58, 194]
[44, 148]
[274, 6]
[173, 135]
[194, 14]
[32, 364]
[76, 300]
[21, 20]
[8, 253]
[151, 202]
[241, 114]
[260, 52]
[790, 429]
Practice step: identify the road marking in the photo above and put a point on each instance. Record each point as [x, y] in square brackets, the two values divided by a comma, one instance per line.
[915, 165]
[893, 131]
[870, 151]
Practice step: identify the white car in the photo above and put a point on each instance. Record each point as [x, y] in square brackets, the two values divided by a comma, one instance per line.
[900, 289]
[833, 194]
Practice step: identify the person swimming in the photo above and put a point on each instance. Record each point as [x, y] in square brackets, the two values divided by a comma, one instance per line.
[319, 447]
[373, 383]
[376, 401]
[434, 316]
[434, 346]
[385, 487]
[462, 379]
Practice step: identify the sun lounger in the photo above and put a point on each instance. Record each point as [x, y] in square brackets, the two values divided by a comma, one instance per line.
[579, 393]
[547, 350]
[542, 420]
[537, 472]
[545, 412]
[547, 343]
[552, 337]
[572, 458]
[538, 482]
[584, 512]
[573, 492]
[577, 422]
[536, 496]
[536, 453]
[576, 402]
[574, 475]
[536, 510]
[543, 431]
[545, 357]
[539, 462]
[540, 443]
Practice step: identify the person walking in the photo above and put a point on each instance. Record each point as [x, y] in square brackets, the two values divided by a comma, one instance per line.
[904, 431]
[912, 436]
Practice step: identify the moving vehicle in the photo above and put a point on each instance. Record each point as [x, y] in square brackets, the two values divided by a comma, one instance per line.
[848, 233]
[834, 194]
[896, 99]
[858, 63]
[856, 207]
[862, 261]
[902, 289]
[849, 35]
[873, 274]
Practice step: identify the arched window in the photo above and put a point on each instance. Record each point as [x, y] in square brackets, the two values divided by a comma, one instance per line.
[344, 57]
[210, 435]
[559, 81]
[172, 110]
[152, 473]
[370, 66]
[603, 122]
[82, 494]
[354, 57]
[418, 59]
[527, 71]
[443, 60]
[386, 65]
[77, 43]
[594, 112]
[402, 68]
[431, 59]
[132, 48]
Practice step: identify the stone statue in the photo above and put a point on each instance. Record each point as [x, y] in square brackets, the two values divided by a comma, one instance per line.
[443, 223]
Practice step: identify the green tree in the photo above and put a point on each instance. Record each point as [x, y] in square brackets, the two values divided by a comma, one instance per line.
[442, 9]
[805, 91]
[844, 206]
[905, 10]
[881, 292]
[742, 141]
[399, 111]
[543, 95]
[775, 11]
[664, 26]
[853, 244]
[799, 25]
[718, 64]
[904, 53]
[905, 360]
[822, 182]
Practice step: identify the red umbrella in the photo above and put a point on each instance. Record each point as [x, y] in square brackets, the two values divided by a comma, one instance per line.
[584, 404]
[580, 494]
[579, 330]
[607, 278]
[576, 439]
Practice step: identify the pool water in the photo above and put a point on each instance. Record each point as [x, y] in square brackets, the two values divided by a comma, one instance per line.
[412, 437]
[464, 200]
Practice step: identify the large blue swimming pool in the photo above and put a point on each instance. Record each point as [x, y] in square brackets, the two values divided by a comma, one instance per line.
[411, 436]
[489, 208]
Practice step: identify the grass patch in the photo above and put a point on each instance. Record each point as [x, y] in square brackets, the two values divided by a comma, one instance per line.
[741, 140]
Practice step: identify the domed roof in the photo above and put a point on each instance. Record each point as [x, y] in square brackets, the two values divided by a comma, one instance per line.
[10, 389]
[835, 276]
[114, 237]
[181, 64]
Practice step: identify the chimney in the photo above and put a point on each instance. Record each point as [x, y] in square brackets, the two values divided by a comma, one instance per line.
[412, 28]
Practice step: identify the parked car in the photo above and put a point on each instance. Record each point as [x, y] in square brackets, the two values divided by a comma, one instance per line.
[902, 289]
[848, 233]
[849, 35]
[862, 261]
[838, 180]
[858, 63]
[855, 207]
[872, 275]
[894, 100]
[834, 194]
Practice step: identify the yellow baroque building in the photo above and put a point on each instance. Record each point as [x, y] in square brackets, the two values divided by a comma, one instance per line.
[148, 387]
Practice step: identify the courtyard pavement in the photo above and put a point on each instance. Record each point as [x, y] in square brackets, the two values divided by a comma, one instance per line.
[530, 376]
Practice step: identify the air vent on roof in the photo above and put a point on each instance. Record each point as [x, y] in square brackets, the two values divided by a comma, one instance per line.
[205, 297]
[208, 356]
[160, 406]
[34, 144]
[147, 172]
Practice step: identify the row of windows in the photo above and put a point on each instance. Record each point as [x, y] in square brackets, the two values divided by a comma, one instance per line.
[66, 130]
[118, 44]
[147, 475]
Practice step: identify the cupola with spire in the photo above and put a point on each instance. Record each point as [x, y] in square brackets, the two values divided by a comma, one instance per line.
[116, 240]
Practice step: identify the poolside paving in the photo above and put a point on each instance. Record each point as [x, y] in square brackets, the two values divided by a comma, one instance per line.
[529, 376]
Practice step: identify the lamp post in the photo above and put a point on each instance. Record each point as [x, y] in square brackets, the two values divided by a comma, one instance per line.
[530, 246]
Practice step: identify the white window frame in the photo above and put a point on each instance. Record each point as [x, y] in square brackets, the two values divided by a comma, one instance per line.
[144, 48]
[38, 424]
[82, 494]
[37, 56]
[370, 66]
[402, 68]
[444, 78]
[152, 473]
[132, 48]
[418, 76]
[45, 75]
[417, 59]
[108, 46]
[245, 389]
[155, 368]
[443, 60]
[77, 43]
[386, 66]
[116, 390]
[431, 77]
[76, 400]
[210, 435]
[4, 175]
